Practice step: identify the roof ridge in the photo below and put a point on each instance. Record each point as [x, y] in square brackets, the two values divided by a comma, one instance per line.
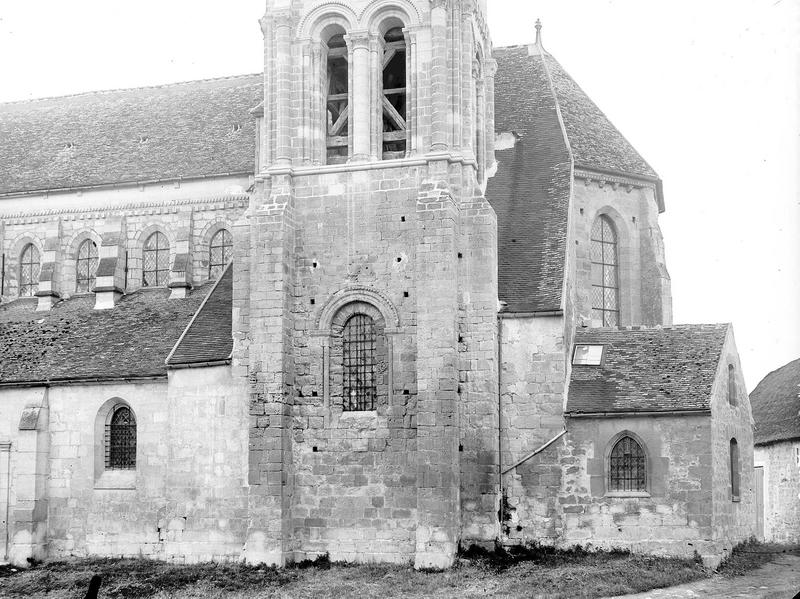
[99, 92]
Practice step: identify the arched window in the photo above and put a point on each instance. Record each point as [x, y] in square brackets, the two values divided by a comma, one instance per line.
[393, 98]
[336, 102]
[358, 361]
[735, 474]
[605, 278]
[120, 441]
[155, 261]
[731, 384]
[627, 467]
[86, 266]
[29, 268]
[219, 253]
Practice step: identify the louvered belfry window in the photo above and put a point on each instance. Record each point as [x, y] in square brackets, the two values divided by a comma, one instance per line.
[393, 100]
[359, 360]
[337, 125]
[219, 252]
[155, 270]
[121, 440]
[29, 269]
[627, 467]
[605, 277]
[86, 266]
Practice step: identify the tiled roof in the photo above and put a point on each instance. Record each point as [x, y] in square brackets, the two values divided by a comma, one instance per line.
[531, 190]
[73, 341]
[595, 142]
[208, 337]
[776, 405]
[647, 369]
[189, 131]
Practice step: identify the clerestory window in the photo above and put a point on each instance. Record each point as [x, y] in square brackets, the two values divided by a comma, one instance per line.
[29, 269]
[605, 275]
[86, 266]
[627, 466]
[359, 361]
[337, 111]
[393, 98]
[219, 253]
[155, 260]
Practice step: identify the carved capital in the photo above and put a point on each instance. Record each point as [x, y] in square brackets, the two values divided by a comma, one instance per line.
[445, 4]
[282, 18]
[358, 39]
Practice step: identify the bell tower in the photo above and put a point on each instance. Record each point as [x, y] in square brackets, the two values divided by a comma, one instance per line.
[365, 290]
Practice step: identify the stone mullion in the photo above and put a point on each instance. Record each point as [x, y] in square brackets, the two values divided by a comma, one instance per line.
[320, 126]
[438, 510]
[480, 126]
[269, 87]
[271, 376]
[307, 113]
[467, 103]
[358, 43]
[376, 70]
[413, 91]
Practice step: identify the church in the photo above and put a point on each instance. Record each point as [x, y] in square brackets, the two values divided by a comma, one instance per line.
[402, 293]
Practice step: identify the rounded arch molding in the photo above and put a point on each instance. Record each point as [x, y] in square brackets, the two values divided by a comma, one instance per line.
[378, 10]
[326, 13]
[341, 298]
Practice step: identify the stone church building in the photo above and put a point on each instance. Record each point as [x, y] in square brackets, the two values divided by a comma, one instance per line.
[401, 293]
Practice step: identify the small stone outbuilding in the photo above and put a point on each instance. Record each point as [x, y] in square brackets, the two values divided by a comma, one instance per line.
[776, 411]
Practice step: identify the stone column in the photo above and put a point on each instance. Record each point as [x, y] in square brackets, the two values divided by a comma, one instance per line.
[440, 109]
[489, 71]
[358, 43]
[438, 506]
[283, 87]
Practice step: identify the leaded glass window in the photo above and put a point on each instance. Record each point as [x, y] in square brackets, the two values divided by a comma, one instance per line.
[605, 276]
[359, 360]
[121, 439]
[86, 266]
[155, 259]
[219, 253]
[627, 466]
[29, 268]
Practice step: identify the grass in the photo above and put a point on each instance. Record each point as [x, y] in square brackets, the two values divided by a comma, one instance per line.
[530, 572]
[750, 555]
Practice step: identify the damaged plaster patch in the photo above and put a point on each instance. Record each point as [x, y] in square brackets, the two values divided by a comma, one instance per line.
[505, 140]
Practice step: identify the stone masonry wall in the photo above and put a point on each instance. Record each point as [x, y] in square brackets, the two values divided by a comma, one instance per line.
[645, 296]
[781, 490]
[734, 518]
[533, 388]
[186, 500]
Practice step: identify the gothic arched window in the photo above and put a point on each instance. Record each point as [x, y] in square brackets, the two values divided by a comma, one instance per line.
[359, 361]
[155, 261]
[735, 473]
[86, 266]
[219, 253]
[605, 276]
[336, 101]
[120, 439]
[627, 466]
[731, 384]
[393, 97]
[29, 268]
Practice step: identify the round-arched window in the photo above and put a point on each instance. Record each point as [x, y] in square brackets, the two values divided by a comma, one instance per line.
[219, 253]
[359, 362]
[86, 266]
[155, 261]
[29, 269]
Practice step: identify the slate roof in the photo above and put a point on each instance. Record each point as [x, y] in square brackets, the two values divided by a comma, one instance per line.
[189, 129]
[531, 190]
[208, 337]
[776, 405]
[659, 369]
[73, 341]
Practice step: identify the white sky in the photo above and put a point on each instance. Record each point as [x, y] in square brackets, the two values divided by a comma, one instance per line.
[707, 91]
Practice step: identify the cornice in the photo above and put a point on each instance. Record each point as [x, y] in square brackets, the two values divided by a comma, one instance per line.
[153, 207]
[630, 183]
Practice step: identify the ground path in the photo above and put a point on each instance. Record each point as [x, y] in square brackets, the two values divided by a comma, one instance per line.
[779, 579]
